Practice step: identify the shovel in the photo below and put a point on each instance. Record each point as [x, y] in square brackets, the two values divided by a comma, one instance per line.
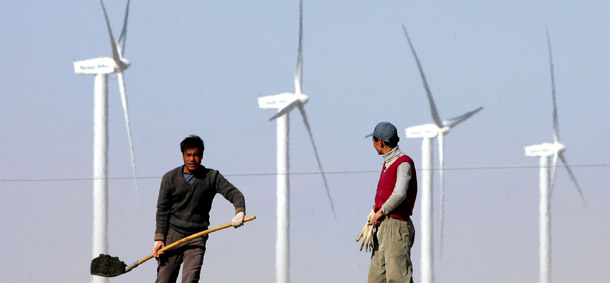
[109, 266]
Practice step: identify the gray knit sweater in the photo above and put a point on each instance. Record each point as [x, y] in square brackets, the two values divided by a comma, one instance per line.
[186, 207]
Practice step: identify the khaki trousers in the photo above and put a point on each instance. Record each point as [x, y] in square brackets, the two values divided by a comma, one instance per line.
[391, 259]
[191, 254]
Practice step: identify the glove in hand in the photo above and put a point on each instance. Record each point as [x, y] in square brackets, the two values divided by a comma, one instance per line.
[238, 219]
[369, 219]
[366, 234]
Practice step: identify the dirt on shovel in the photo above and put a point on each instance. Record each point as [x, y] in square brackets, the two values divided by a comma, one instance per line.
[107, 266]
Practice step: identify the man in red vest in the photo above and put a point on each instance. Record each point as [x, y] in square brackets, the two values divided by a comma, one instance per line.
[394, 201]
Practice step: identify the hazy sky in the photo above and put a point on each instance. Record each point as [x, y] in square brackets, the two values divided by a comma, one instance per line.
[198, 68]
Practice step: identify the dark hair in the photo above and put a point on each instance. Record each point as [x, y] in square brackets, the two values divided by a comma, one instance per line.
[392, 143]
[191, 141]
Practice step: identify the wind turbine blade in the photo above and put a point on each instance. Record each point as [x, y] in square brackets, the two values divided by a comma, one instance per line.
[563, 159]
[454, 121]
[441, 159]
[298, 74]
[435, 116]
[555, 119]
[286, 109]
[128, 127]
[315, 151]
[115, 52]
[123, 36]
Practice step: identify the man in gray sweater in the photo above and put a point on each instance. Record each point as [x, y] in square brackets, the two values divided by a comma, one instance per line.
[183, 207]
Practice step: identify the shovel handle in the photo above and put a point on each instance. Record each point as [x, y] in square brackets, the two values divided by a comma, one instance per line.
[186, 239]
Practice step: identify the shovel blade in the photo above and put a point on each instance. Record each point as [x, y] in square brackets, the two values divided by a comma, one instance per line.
[107, 266]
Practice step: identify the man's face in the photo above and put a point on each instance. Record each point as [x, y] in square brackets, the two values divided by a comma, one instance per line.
[378, 144]
[192, 159]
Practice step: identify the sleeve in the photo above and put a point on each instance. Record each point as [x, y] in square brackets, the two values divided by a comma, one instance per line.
[164, 205]
[230, 192]
[403, 176]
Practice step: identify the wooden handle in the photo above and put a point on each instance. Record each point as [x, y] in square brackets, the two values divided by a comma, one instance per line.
[186, 239]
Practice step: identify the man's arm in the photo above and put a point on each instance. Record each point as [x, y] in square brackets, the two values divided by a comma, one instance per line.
[164, 205]
[231, 193]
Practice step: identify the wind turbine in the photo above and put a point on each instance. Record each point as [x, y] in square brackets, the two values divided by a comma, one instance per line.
[427, 132]
[284, 103]
[101, 67]
[545, 151]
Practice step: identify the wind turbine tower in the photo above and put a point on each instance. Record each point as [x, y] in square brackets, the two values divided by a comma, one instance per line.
[284, 103]
[428, 132]
[102, 67]
[545, 151]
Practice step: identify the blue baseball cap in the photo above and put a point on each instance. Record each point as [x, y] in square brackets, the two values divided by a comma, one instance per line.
[384, 131]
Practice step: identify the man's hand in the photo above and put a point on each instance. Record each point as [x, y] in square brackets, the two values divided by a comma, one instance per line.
[158, 245]
[377, 217]
[238, 219]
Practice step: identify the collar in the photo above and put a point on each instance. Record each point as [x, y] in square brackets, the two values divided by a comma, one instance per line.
[391, 156]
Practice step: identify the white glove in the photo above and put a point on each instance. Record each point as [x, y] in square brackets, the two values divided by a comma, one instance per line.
[238, 219]
[367, 234]
[369, 219]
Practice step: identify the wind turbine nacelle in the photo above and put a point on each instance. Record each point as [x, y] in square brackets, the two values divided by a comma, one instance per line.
[545, 149]
[101, 65]
[279, 101]
[424, 131]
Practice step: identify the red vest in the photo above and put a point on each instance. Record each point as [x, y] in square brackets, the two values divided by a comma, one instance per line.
[387, 181]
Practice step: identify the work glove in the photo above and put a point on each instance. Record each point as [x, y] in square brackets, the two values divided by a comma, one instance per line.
[366, 234]
[238, 219]
[369, 218]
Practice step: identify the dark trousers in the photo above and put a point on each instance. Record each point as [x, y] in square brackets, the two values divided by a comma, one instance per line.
[189, 255]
